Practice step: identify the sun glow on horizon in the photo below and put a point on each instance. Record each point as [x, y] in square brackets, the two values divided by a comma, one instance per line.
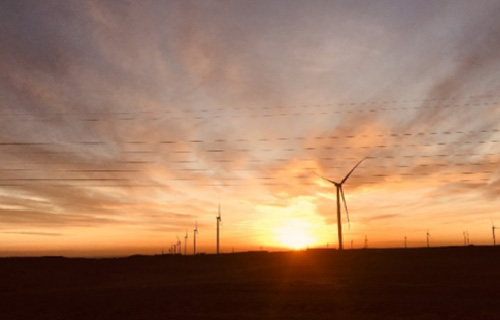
[295, 234]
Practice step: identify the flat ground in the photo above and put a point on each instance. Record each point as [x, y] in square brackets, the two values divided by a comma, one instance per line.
[436, 283]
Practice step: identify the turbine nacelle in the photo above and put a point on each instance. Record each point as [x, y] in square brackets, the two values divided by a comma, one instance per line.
[219, 217]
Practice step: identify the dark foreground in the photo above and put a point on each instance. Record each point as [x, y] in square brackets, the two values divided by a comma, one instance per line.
[444, 283]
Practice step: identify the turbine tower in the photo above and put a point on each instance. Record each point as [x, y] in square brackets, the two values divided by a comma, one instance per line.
[493, 231]
[219, 220]
[195, 232]
[185, 242]
[340, 193]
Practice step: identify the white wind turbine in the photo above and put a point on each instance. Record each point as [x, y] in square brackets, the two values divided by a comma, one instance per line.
[340, 193]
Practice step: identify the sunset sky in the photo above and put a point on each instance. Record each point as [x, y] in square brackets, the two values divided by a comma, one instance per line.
[124, 123]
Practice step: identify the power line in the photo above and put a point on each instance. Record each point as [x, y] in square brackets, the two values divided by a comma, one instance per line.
[221, 112]
[262, 139]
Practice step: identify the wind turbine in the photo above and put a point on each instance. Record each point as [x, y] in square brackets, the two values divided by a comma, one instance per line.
[185, 242]
[179, 245]
[428, 238]
[195, 232]
[466, 238]
[219, 220]
[340, 193]
[493, 231]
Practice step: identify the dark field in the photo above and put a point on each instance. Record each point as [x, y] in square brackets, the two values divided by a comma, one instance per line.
[440, 283]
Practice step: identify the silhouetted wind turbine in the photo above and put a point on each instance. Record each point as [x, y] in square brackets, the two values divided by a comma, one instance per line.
[340, 193]
[493, 231]
[428, 238]
[195, 232]
[466, 238]
[185, 242]
[219, 220]
[179, 245]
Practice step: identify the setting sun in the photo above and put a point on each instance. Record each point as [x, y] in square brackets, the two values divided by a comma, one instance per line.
[294, 234]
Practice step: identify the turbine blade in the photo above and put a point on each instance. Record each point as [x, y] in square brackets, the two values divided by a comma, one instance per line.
[331, 181]
[345, 205]
[347, 176]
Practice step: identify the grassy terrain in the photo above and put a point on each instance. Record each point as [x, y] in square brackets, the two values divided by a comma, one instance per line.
[439, 283]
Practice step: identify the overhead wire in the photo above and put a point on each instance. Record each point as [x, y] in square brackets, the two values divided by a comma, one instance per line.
[128, 116]
[152, 115]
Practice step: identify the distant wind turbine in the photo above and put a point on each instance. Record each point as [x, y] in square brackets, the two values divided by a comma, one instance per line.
[493, 231]
[179, 245]
[340, 193]
[219, 220]
[185, 242]
[428, 239]
[195, 232]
